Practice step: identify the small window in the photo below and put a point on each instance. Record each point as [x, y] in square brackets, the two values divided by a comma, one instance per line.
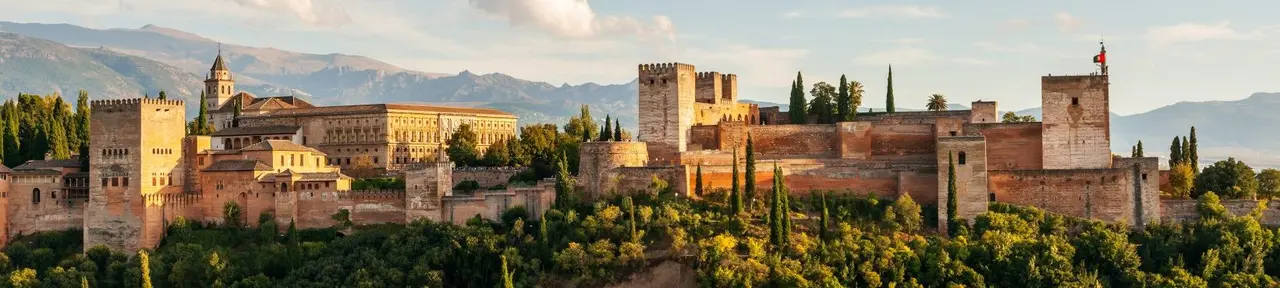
[126, 181]
[991, 197]
[35, 196]
[1144, 176]
[1075, 101]
[962, 158]
[953, 133]
[115, 182]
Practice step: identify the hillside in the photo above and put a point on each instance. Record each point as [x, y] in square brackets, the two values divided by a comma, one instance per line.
[342, 79]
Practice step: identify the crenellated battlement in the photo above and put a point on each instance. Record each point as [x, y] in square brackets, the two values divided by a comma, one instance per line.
[664, 68]
[724, 78]
[371, 194]
[708, 75]
[133, 102]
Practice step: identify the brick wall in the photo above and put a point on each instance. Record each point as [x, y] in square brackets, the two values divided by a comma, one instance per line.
[376, 206]
[487, 177]
[898, 141]
[971, 176]
[793, 141]
[802, 176]
[1128, 193]
[1013, 146]
[1181, 210]
[1076, 118]
[54, 211]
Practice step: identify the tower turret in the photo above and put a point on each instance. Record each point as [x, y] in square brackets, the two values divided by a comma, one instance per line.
[218, 84]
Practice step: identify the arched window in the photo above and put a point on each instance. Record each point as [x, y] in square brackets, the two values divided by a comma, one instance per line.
[284, 187]
[35, 196]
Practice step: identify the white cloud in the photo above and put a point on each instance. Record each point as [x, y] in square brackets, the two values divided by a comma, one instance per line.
[792, 14]
[903, 56]
[315, 12]
[894, 11]
[1066, 22]
[1195, 32]
[972, 61]
[768, 67]
[572, 19]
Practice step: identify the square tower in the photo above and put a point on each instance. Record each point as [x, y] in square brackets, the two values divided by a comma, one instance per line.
[709, 87]
[666, 109]
[1076, 120]
[137, 150]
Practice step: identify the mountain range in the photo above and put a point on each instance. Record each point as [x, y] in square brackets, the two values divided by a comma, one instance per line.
[116, 63]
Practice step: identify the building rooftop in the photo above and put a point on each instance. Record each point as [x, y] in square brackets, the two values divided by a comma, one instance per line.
[264, 130]
[48, 164]
[376, 108]
[322, 176]
[280, 145]
[250, 102]
[238, 165]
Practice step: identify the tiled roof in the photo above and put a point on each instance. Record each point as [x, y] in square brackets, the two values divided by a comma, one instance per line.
[238, 165]
[250, 102]
[268, 104]
[322, 176]
[279, 145]
[264, 130]
[48, 164]
[375, 108]
[5, 169]
[217, 63]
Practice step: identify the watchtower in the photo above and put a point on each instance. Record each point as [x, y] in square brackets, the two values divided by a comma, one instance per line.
[425, 185]
[136, 148]
[1076, 121]
[667, 92]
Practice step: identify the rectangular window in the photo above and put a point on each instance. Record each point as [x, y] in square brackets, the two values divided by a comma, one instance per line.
[126, 181]
[375, 160]
[104, 182]
[115, 181]
[962, 158]
[1075, 101]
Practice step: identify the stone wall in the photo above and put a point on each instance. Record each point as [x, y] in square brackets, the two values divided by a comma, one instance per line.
[1182, 210]
[1076, 117]
[666, 96]
[802, 176]
[491, 204]
[598, 158]
[1126, 194]
[486, 177]
[902, 141]
[53, 212]
[375, 206]
[971, 176]
[1013, 146]
[633, 180]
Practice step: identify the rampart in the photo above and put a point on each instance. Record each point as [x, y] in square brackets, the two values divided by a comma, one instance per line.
[486, 177]
[1184, 210]
[1126, 194]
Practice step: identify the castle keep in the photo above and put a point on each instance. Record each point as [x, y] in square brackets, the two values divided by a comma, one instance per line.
[1062, 164]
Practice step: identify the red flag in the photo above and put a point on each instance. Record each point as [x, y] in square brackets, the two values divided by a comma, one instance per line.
[1101, 58]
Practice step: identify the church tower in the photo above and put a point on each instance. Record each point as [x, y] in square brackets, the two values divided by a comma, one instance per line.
[218, 84]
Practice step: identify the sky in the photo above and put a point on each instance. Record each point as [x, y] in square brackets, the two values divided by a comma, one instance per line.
[1160, 52]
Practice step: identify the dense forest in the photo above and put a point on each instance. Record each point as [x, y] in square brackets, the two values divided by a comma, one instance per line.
[33, 127]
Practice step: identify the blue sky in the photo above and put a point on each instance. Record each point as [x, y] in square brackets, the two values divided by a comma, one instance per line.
[1161, 52]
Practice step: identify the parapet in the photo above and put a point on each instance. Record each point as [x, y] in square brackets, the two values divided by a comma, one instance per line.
[132, 102]
[708, 76]
[663, 68]
[1074, 79]
[372, 194]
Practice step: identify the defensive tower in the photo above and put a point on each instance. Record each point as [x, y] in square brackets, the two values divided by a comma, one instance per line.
[1076, 120]
[666, 108]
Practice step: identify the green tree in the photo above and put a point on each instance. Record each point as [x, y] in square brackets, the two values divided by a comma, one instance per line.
[26, 278]
[462, 146]
[824, 222]
[294, 248]
[582, 126]
[1268, 183]
[162, 95]
[844, 103]
[506, 276]
[232, 215]
[1181, 180]
[937, 102]
[797, 111]
[1138, 151]
[697, 188]
[749, 188]
[822, 106]
[200, 125]
[146, 268]
[12, 138]
[908, 213]
[1230, 178]
[235, 113]
[82, 119]
[608, 129]
[952, 208]
[618, 133]
[498, 153]
[888, 106]
[57, 132]
[735, 196]
[1186, 150]
[775, 211]
[1175, 152]
[1195, 154]
[855, 100]
[1010, 117]
[564, 184]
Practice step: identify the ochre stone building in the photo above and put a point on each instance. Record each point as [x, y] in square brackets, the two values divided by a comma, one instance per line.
[391, 136]
[1062, 164]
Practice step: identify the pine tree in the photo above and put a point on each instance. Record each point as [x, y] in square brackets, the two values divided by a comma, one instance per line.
[1195, 154]
[888, 106]
[952, 208]
[844, 104]
[1139, 149]
[697, 186]
[1175, 152]
[162, 96]
[608, 129]
[146, 268]
[750, 187]
[506, 276]
[797, 111]
[735, 197]
[617, 131]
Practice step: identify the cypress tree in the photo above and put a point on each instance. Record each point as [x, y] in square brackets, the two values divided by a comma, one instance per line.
[82, 119]
[1133, 151]
[146, 268]
[1175, 152]
[12, 141]
[823, 224]
[844, 102]
[162, 96]
[775, 205]
[235, 114]
[56, 135]
[506, 276]
[543, 237]
[617, 131]
[635, 237]
[735, 198]
[564, 183]
[586, 135]
[84, 282]
[888, 106]
[1195, 155]
[608, 129]
[750, 187]
[1186, 150]
[697, 186]
[797, 111]
[84, 157]
[952, 208]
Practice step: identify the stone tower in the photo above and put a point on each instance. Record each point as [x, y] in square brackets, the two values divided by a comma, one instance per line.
[667, 92]
[218, 84]
[425, 185]
[137, 157]
[1076, 122]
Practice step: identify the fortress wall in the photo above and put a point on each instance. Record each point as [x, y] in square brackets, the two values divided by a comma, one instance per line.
[793, 141]
[1014, 146]
[55, 212]
[487, 177]
[632, 180]
[1087, 193]
[803, 176]
[704, 137]
[898, 140]
[1183, 210]
[376, 206]
[315, 209]
[854, 140]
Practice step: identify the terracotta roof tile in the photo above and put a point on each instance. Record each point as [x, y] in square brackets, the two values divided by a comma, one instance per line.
[48, 164]
[374, 108]
[279, 145]
[322, 176]
[264, 130]
[238, 165]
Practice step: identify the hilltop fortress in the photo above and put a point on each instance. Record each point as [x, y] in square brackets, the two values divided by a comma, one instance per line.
[1062, 164]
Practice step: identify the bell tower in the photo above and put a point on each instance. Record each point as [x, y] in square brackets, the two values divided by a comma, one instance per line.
[218, 84]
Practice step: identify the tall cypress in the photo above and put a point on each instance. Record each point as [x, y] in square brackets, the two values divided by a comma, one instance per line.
[785, 208]
[145, 261]
[506, 276]
[735, 198]
[1195, 155]
[1139, 149]
[797, 111]
[775, 207]
[608, 129]
[56, 133]
[1186, 150]
[844, 102]
[294, 248]
[952, 209]
[1175, 152]
[617, 131]
[888, 102]
[823, 224]
[697, 186]
[635, 237]
[82, 118]
[750, 187]
[12, 140]
[235, 114]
